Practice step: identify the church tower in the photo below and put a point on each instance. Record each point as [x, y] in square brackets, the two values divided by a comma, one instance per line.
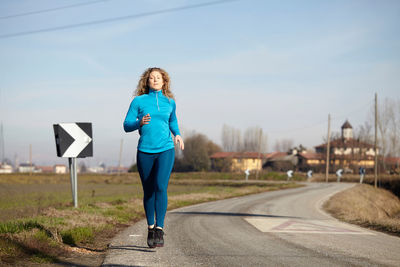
[347, 131]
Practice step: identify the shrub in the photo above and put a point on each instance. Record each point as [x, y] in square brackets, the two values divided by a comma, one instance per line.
[77, 235]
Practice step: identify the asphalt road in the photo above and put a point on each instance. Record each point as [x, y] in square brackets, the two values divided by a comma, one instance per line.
[280, 228]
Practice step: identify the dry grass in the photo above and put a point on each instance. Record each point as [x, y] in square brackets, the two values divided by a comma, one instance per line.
[39, 225]
[367, 206]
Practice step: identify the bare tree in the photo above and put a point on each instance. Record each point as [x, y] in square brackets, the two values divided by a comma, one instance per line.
[231, 139]
[364, 133]
[334, 136]
[384, 119]
[277, 146]
[195, 155]
[212, 148]
[388, 127]
[238, 140]
[283, 145]
[255, 140]
[394, 129]
[228, 142]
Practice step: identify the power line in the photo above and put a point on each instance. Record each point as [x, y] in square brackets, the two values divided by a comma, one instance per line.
[50, 9]
[133, 16]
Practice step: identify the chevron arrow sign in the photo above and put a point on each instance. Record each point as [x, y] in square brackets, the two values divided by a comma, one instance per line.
[74, 140]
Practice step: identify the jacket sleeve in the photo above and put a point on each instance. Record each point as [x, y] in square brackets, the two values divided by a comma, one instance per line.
[173, 121]
[132, 121]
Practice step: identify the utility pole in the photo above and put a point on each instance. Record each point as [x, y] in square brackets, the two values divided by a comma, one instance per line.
[328, 148]
[2, 143]
[30, 159]
[376, 141]
[259, 152]
[1, 133]
[120, 156]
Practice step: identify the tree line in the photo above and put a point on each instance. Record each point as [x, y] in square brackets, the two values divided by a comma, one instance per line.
[199, 148]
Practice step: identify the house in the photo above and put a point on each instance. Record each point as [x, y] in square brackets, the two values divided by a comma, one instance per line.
[26, 167]
[280, 161]
[97, 169]
[60, 168]
[6, 168]
[237, 161]
[393, 164]
[44, 169]
[311, 161]
[348, 153]
[117, 169]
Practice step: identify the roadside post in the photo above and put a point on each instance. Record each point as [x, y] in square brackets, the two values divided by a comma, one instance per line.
[247, 172]
[309, 175]
[362, 173]
[74, 140]
[339, 174]
[289, 174]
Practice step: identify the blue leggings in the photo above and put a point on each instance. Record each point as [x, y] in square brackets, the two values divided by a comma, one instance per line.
[155, 170]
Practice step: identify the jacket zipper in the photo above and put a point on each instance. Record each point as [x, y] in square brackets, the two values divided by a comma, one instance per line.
[158, 107]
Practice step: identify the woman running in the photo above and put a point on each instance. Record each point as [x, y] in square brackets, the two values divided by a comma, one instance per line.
[152, 112]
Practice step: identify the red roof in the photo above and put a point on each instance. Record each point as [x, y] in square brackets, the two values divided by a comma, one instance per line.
[249, 155]
[276, 154]
[238, 155]
[311, 155]
[45, 168]
[392, 160]
[346, 143]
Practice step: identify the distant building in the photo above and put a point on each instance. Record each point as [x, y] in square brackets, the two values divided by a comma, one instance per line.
[121, 169]
[60, 168]
[311, 161]
[393, 165]
[97, 169]
[348, 153]
[281, 161]
[44, 169]
[26, 167]
[6, 168]
[345, 153]
[238, 161]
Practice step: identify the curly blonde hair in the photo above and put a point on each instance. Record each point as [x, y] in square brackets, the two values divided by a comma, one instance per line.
[143, 85]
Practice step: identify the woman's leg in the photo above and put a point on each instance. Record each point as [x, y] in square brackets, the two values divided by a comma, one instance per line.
[163, 167]
[145, 163]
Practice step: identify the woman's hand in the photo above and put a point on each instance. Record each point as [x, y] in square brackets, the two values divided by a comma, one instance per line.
[178, 139]
[145, 120]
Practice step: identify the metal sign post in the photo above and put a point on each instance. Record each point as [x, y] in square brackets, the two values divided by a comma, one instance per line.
[74, 180]
[74, 140]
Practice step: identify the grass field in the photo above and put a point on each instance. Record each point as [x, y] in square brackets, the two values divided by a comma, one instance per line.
[367, 206]
[38, 224]
[386, 181]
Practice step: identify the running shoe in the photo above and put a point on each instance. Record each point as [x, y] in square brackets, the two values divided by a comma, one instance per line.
[159, 238]
[150, 237]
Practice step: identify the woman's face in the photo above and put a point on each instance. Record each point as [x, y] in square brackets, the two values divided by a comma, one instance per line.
[156, 81]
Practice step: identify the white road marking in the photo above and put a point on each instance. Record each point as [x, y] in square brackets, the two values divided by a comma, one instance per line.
[134, 235]
[278, 225]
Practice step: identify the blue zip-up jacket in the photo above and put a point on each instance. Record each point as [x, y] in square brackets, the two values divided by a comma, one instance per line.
[155, 137]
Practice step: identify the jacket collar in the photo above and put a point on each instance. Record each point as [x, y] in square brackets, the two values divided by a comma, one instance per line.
[152, 91]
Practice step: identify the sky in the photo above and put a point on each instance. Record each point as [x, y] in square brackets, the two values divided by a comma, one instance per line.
[279, 65]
